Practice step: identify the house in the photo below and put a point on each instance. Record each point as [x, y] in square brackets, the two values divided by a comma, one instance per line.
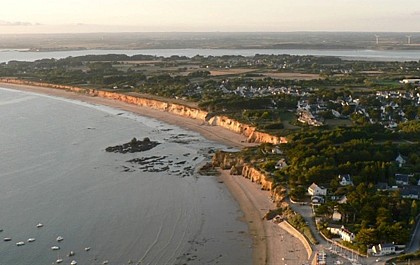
[281, 164]
[346, 235]
[343, 232]
[400, 160]
[345, 180]
[410, 192]
[315, 190]
[336, 216]
[402, 179]
[342, 200]
[383, 249]
[317, 200]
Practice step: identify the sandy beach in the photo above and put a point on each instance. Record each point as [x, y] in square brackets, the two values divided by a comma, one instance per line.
[272, 245]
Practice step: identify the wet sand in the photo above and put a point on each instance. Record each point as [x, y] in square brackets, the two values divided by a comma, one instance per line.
[272, 245]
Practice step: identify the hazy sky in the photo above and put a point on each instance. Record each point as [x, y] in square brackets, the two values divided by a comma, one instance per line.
[45, 16]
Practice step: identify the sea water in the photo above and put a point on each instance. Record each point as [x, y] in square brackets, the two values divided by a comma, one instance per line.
[54, 170]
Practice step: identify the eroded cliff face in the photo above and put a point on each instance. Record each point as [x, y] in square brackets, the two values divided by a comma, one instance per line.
[250, 132]
[229, 160]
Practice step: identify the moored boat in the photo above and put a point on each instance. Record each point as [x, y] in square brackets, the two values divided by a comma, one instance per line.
[31, 239]
[39, 225]
[55, 247]
[60, 238]
[20, 243]
[73, 262]
[7, 239]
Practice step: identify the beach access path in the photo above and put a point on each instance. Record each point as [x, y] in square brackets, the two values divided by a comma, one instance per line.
[272, 245]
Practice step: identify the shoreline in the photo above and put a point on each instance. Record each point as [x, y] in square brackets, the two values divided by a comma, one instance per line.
[271, 244]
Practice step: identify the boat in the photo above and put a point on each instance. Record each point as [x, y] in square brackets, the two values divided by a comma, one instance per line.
[39, 225]
[60, 238]
[31, 240]
[73, 262]
[71, 253]
[59, 260]
[105, 262]
[20, 243]
[7, 239]
[55, 247]
[87, 248]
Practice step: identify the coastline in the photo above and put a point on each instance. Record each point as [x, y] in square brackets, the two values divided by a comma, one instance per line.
[271, 244]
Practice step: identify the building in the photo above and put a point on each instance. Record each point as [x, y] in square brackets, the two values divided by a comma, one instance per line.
[343, 232]
[410, 192]
[400, 160]
[345, 180]
[383, 249]
[281, 164]
[336, 217]
[402, 179]
[315, 190]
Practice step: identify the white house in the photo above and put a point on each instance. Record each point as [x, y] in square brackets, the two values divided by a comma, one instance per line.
[400, 160]
[383, 249]
[345, 180]
[315, 190]
[343, 232]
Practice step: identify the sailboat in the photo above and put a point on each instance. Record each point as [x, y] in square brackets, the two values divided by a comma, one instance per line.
[59, 260]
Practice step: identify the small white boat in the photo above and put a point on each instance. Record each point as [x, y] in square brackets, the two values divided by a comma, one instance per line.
[105, 262]
[20, 243]
[59, 261]
[7, 239]
[39, 225]
[73, 262]
[31, 240]
[60, 238]
[87, 248]
[71, 253]
[55, 247]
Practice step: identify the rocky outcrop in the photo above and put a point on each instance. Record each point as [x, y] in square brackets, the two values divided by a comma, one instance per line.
[249, 131]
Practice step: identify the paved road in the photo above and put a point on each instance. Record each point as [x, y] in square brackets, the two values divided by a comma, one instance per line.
[308, 215]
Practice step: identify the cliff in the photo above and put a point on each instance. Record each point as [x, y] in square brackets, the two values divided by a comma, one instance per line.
[229, 160]
[250, 132]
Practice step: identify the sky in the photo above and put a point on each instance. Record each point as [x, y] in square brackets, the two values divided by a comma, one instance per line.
[80, 16]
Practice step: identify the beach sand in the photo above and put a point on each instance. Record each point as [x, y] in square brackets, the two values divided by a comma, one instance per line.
[272, 245]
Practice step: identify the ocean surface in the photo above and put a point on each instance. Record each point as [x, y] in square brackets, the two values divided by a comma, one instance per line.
[54, 170]
[368, 55]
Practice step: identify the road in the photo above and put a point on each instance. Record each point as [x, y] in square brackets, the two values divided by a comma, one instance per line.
[335, 254]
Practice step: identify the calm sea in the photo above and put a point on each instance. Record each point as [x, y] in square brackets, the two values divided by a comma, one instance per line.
[55, 171]
[370, 55]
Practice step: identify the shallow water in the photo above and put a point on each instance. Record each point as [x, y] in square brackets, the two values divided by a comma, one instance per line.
[368, 55]
[55, 171]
